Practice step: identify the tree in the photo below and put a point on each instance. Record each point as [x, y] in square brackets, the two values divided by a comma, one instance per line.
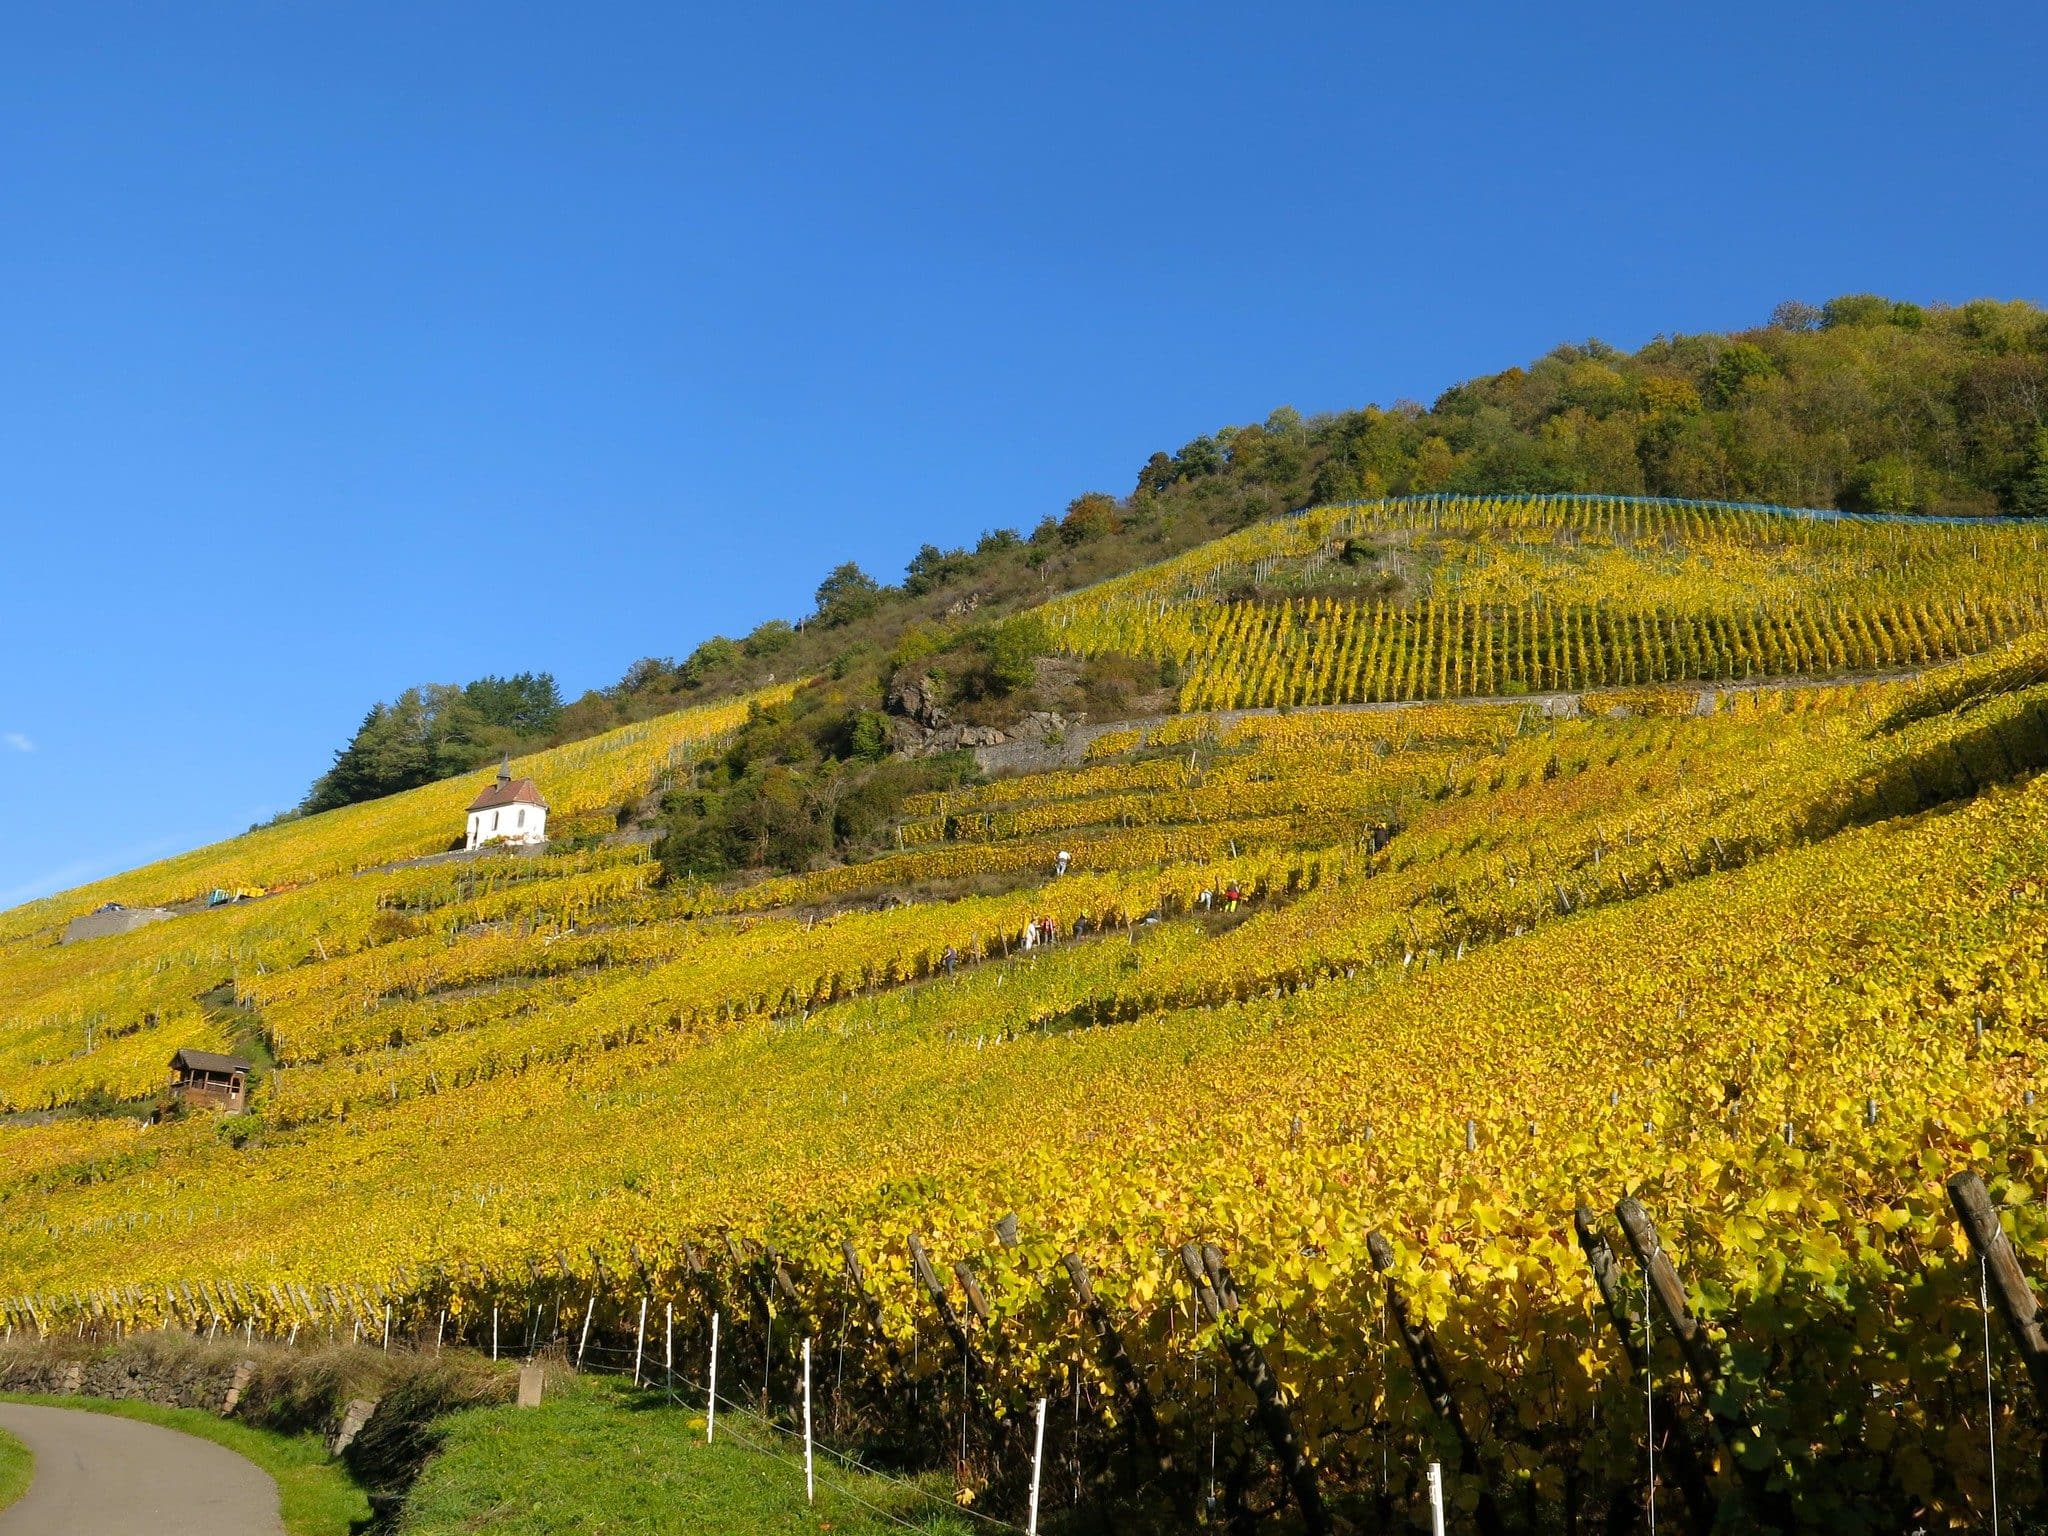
[1434, 465]
[868, 738]
[1792, 315]
[1889, 484]
[1203, 456]
[1159, 472]
[527, 702]
[932, 567]
[1088, 517]
[1857, 309]
[769, 638]
[648, 672]
[711, 656]
[425, 734]
[1012, 648]
[2030, 490]
[1736, 367]
[849, 593]
[996, 540]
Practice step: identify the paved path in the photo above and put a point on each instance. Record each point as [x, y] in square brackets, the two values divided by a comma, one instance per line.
[98, 1475]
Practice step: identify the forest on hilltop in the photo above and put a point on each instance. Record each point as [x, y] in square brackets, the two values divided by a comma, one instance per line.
[1864, 403]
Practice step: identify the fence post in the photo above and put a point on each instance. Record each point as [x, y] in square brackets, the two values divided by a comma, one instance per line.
[810, 1491]
[668, 1349]
[2010, 1290]
[639, 1340]
[1037, 1461]
[583, 1340]
[1217, 1298]
[1436, 1497]
[711, 1394]
[440, 1330]
[1436, 1386]
[494, 1332]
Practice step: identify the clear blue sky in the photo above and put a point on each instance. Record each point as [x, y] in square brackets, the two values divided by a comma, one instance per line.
[306, 310]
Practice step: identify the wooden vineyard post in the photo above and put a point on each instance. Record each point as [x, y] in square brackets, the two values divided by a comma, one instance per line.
[948, 1318]
[1436, 1386]
[2010, 1291]
[1130, 1384]
[1668, 1292]
[1677, 1449]
[1217, 1300]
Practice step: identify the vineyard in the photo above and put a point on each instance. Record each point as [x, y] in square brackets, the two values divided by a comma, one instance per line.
[1557, 593]
[1751, 928]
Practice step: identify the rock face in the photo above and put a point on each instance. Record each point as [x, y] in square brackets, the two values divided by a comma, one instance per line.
[917, 700]
[915, 738]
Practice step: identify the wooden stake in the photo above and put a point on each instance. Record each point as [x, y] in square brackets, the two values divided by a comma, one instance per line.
[1668, 1291]
[1218, 1302]
[2010, 1291]
[1686, 1468]
[1130, 1383]
[1436, 1386]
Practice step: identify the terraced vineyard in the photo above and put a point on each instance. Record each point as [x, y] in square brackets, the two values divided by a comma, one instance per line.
[1772, 959]
[1567, 592]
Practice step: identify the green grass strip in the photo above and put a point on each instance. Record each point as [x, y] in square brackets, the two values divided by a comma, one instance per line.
[597, 1458]
[16, 1468]
[316, 1496]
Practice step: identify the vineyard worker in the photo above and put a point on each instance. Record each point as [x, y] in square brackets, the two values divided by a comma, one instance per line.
[1059, 865]
[1031, 933]
[1231, 897]
[952, 958]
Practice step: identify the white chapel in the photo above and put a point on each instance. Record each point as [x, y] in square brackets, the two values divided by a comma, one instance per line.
[509, 811]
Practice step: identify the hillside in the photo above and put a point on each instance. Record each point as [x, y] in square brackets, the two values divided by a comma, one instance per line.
[1582, 847]
[1863, 403]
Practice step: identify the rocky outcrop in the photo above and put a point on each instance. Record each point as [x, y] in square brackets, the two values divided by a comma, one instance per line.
[1036, 727]
[918, 700]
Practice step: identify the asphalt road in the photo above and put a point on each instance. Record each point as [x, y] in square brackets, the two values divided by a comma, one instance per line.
[97, 1475]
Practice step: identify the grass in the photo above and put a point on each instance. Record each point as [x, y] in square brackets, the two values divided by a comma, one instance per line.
[16, 1467]
[600, 1460]
[316, 1496]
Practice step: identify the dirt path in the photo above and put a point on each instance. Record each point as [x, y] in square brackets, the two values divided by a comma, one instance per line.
[98, 1475]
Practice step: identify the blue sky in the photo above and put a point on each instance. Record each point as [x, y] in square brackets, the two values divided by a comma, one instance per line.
[304, 309]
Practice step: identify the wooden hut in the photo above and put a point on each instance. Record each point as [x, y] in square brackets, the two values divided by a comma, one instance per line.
[203, 1077]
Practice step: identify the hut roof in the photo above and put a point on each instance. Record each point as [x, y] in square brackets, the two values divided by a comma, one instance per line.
[189, 1060]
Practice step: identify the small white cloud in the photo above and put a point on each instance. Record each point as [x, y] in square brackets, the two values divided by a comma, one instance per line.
[17, 742]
